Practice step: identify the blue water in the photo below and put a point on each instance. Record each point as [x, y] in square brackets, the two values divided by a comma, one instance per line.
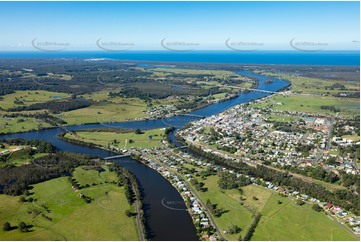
[293, 57]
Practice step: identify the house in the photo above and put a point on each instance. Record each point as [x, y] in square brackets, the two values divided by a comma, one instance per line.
[213, 238]
[328, 205]
[204, 224]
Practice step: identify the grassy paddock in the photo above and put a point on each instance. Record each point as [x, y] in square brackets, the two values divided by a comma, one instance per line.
[30, 97]
[353, 137]
[105, 113]
[229, 200]
[123, 139]
[289, 221]
[20, 124]
[317, 85]
[72, 219]
[87, 175]
[161, 72]
[311, 104]
[280, 221]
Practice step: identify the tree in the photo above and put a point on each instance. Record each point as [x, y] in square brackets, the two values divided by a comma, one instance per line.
[137, 131]
[316, 207]
[210, 206]
[129, 213]
[23, 227]
[194, 181]
[234, 229]
[6, 226]
[300, 202]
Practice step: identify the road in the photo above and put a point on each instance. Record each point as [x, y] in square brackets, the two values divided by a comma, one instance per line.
[345, 227]
[330, 133]
[139, 222]
[137, 211]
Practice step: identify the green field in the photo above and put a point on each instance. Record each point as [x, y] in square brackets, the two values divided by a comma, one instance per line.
[353, 137]
[294, 222]
[285, 221]
[20, 124]
[90, 176]
[22, 157]
[106, 112]
[216, 73]
[282, 118]
[72, 219]
[163, 73]
[310, 104]
[317, 85]
[30, 97]
[18, 157]
[123, 139]
[219, 95]
[229, 200]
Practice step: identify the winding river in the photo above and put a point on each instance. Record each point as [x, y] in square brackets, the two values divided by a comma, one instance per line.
[163, 223]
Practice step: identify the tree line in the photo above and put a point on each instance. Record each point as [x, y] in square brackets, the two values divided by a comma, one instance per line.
[54, 106]
[15, 180]
[132, 192]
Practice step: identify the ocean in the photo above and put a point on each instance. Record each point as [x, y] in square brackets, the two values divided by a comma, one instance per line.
[338, 58]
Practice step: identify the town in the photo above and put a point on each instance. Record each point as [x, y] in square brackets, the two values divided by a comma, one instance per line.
[288, 138]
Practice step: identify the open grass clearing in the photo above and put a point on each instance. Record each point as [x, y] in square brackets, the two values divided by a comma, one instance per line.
[289, 221]
[90, 175]
[30, 97]
[317, 85]
[229, 200]
[123, 140]
[72, 218]
[20, 124]
[353, 137]
[310, 104]
[105, 113]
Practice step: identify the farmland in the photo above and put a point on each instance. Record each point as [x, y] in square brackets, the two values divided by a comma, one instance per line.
[310, 103]
[305, 223]
[278, 214]
[147, 139]
[71, 217]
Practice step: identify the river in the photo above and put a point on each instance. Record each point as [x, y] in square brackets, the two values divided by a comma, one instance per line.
[163, 223]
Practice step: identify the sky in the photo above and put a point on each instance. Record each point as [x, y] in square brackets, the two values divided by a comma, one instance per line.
[118, 26]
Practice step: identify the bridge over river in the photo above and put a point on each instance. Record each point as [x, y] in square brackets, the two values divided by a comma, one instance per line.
[116, 157]
[250, 89]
